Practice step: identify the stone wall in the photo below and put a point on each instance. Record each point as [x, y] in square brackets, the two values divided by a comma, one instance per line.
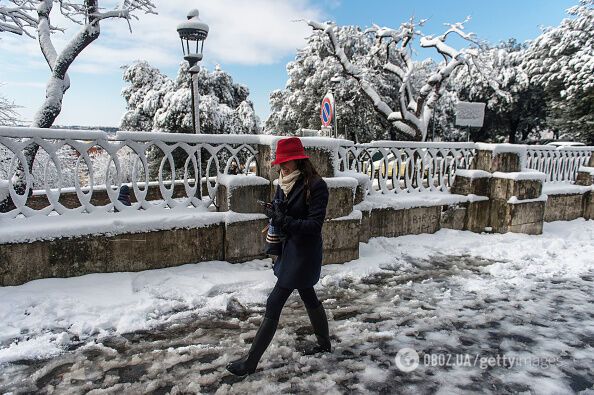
[67, 257]
[564, 207]
[497, 198]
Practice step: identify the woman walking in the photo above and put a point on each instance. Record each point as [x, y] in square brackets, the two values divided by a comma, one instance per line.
[304, 196]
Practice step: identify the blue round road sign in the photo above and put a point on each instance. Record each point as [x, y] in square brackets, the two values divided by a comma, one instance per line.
[326, 112]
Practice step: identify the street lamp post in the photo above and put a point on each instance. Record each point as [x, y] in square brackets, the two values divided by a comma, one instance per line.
[335, 80]
[192, 33]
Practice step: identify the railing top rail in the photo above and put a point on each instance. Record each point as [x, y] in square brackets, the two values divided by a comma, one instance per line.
[20, 132]
[583, 148]
[266, 139]
[190, 138]
[417, 144]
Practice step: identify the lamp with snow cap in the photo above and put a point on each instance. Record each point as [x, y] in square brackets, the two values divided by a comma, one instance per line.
[192, 34]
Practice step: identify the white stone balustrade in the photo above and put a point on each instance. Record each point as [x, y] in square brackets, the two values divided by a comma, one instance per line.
[560, 164]
[405, 167]
[90, 161]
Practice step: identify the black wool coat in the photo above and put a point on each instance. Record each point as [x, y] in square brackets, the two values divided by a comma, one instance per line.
[300, 263]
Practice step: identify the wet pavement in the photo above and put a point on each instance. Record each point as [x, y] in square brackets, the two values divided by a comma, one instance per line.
[458, 317]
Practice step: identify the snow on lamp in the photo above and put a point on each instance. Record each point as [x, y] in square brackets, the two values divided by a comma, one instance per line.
[192, 34]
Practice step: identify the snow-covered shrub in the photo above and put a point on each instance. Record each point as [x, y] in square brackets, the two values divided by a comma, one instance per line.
[157, 103]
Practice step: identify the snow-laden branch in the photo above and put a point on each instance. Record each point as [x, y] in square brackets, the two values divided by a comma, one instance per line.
[17, 20]
[349, 69]
[393, 45]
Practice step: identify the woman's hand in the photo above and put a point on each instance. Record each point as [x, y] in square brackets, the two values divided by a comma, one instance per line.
[279, 216]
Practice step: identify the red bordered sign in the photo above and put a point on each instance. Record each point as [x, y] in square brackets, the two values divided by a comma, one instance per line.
[327, 110]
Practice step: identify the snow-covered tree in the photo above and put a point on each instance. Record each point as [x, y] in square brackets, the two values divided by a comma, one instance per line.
[33, 17]
[514, 107]
[391, 55]
[156, 102]
[298, 105]
[561, 60]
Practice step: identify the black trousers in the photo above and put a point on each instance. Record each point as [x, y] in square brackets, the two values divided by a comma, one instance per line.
[279, 295]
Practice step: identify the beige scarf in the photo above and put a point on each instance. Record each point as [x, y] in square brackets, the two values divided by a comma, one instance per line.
[286, 183]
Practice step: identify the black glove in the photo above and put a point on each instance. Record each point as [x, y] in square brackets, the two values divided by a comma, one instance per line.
[269, 210]
[279, 216]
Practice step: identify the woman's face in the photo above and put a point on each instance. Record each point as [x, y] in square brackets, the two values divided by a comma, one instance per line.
[288, 167]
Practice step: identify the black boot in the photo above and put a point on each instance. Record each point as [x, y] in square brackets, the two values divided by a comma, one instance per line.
[248, 364]
[319, 322]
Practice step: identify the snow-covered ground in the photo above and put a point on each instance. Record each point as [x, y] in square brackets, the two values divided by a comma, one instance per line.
[484, 313]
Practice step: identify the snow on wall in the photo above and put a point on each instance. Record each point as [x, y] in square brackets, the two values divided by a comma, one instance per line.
[26, 230]
[564, 188]
[362, 179]
[525, 174]
[232, 181]
[419, 144]
[355, 214]
[232, 216]
[412, 200]
[341, 182]
[502, 148]
[515, 200]
[473, 174]
[586, 169]
[45, 133]
[190, 138]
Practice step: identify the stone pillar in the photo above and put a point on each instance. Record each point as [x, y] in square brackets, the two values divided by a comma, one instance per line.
[340, 232]
[472, 215]
[516, 200]
[240, 193]
[498, 157]
[586, 177]
[244, 239]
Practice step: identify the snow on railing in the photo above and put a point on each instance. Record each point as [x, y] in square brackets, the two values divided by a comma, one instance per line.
[560, 164]
[88, 162]
[405, 167]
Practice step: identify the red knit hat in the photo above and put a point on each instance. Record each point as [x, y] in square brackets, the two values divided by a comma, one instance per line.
[289, 149]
